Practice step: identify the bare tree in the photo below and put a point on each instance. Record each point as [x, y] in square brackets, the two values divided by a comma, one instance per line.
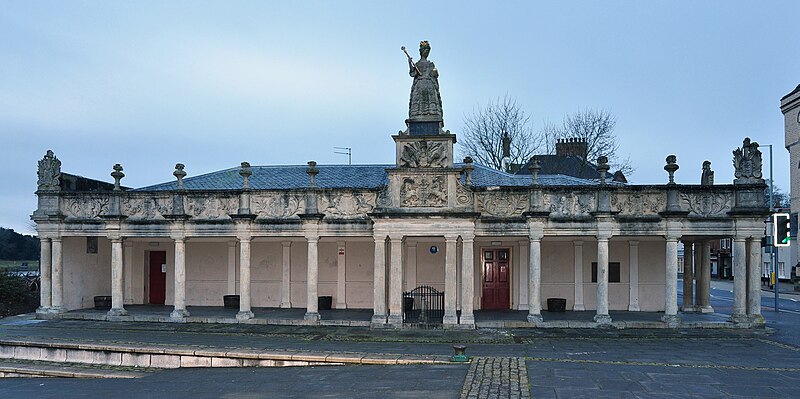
[596, 127]
[484, 129]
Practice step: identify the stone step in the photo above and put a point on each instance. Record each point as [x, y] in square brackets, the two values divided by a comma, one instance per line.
[38, 368]
[172, 356]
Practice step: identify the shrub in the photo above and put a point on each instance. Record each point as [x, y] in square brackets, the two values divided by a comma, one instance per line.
[18, 294]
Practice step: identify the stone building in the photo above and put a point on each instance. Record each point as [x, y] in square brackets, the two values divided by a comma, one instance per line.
[790, 107]
[281, 236]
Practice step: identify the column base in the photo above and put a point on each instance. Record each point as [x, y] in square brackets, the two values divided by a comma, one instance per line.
[467, 319]
[244, 315]
[602, 319]
[757, 319]
[671, 320]
[740, 318]
[179, 314]
[378, 320]
[42, 310]
[341, 305]
[450, 318]
[286, 305]
[117, 312]
[578, 307]
[311, 316]
[395, 320]
[706, 309]
[535, 318]
[634, 308]
[57, 309]
[689, 309]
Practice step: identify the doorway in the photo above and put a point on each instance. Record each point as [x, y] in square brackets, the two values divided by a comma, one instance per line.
[158, 277]
[496, 292]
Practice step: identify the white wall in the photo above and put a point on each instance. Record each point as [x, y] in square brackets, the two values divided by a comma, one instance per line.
[85, 275]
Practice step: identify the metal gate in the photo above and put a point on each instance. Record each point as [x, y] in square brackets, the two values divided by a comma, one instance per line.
[423, 305]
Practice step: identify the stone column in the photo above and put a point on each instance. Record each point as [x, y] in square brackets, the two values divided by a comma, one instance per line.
[410, 265]
[379, 282]
[117, 281]
[46, 283]
[739, 280]
[180, 311]
[524, 275]
[450, 281]
[577, 247]
[245, 311]
[633, 289]
[671, 283]
[704, 280]
[58, 278]
[467, 279]
[602, 316]
[341, 282]
[312, 310]
[286, 276]
[127, 256]
[754, 282]
[688, 277]
[396, 281]
[535, 284]
[231, 268]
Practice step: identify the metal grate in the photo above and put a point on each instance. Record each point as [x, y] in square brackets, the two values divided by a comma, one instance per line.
[423, 305]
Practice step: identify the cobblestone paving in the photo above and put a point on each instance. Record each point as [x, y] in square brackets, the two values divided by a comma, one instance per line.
[496, 377]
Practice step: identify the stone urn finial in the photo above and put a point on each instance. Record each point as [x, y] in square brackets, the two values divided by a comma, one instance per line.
[534, 167]
[312, 171]
[671, 167]
[180, 174]
[602, 168]
[117, 175]
[468, 168]
[246, 172]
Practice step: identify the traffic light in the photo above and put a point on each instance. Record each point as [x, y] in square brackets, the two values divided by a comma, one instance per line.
[782, 227]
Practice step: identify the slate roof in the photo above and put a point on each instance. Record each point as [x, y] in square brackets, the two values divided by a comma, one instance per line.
[287, 177]
[566, 165]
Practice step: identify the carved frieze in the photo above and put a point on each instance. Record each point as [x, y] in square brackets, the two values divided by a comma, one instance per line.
[424, 154]
[503, 204]
[277, 205]
[464, 196]
[146, 207]
[423, 191]
[347, 204]
[638, 203]
[211, 207]
[569, 203]
[708, 203]
[84, 207]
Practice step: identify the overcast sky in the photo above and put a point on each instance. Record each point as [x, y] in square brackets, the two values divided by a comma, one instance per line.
[211, 84]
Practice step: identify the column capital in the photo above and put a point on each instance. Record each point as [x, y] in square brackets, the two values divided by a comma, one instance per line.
[379, 238]
[633, 243]
[577, 243]
[312, 237]
[396, 237]
[56, 239]
[244, 237]
[286, 244]
[116, 239]
[468, 237]
[603, 237]
[451, 237]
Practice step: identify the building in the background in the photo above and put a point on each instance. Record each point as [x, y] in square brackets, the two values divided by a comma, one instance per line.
[790, 107]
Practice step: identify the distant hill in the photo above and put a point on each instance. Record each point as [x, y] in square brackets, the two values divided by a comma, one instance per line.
[15, 246]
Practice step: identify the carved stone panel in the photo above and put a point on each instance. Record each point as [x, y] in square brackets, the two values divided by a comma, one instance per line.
[503, 204]
[423, 191]
[464, 196]
[146, 207]
[211, 206]
[347, 204]
[708, 203]
[84, 206]
[277, 205]
[638, 203]
[569, 203]
[424, 154]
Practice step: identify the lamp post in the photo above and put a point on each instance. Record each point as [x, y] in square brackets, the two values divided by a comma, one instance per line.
[771, 211]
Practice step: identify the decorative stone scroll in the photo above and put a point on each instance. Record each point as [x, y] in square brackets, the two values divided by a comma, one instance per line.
[464, 196]
[49, 172]
[569, 203]
[638, 203]
[423, 191]
[424, 154]
[211, 207]
[347, 204]
[277, 204]
[708, 203]
[503, 204]
[146, 207]
[747, 162]
[84, 206]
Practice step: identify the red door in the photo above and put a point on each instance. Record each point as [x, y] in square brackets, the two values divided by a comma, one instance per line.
[496, 291]
[158, 277]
